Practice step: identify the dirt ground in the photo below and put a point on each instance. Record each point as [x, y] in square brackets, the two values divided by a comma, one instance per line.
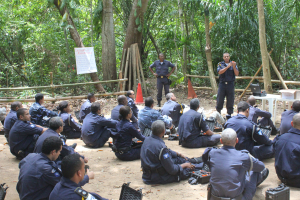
[111, 173]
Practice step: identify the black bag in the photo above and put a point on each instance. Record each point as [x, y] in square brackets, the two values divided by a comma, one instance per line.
[2, 191]
[282, 192]
[127, 193]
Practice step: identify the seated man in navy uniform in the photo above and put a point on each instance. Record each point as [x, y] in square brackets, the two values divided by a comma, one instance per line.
[130, 98]
[115, 113]
[86, 107]
[162, 74]
[69, 187]
[287, 154]
[148, 115]
[95, 129]
[250, 136]
[162, 165]
[71, 128]
[11, 118]
[229, 168]
[172, 109]
[23, 135]
[287, 116]
[38, 112]
[189, 129]
[55, 128]
[255, 112]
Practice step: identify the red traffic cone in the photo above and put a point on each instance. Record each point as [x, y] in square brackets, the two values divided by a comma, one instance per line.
[139, 95]
[191, 91]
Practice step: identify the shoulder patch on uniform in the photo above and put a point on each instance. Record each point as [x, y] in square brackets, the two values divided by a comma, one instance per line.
[32, 125]
[81, 192]
[166, 155]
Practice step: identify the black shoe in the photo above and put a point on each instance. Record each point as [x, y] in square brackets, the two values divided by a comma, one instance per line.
[173, 130]
[158, 104]
[74, 145]
[228, 116]
[264, 174]
[206, 168]
[195, 160]
[21, 155]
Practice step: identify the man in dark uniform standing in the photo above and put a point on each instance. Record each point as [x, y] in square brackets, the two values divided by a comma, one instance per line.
[229, 168]
[11, 118]
[162, 165]
[69, 187]
[287, 154]
[227, 71]
[130, 98]
[162, 74]
[23, 135]
[250, 136]
[287, 116]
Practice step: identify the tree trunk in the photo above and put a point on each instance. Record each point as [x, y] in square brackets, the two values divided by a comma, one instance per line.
[263, 47]
[77, 39]
[134, 30]
[154, 43]
[183, 35]
[209, 57]
[108, 43]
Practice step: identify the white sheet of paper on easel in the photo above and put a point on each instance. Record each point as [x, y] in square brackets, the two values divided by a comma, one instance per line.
[85, 60]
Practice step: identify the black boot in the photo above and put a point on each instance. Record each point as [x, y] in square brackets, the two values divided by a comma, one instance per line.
[158, 104]
[264, 175]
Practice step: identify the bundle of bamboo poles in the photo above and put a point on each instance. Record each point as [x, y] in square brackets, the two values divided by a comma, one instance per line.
[131, 68]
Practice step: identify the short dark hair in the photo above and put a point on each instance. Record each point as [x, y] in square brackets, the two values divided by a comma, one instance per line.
[124, 111]
[38, 97]
[62, 105]
[55, 123]
[51, 143]
[122, 100]
[242, 106]
[15, 105]
[251, 101]
[90, 95]
[296, 106]
[95, 107]
[161, 54]
[129, 92]
[194, 104]
[158, 127]
[70, 165]
[149, 101]
[20, 112]
[226, 53]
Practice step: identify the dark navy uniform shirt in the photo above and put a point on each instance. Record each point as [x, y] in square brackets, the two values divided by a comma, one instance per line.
[162, 69]
[70, 124]
[21, 135]
[286, 119]
[173, 110]
[150, 160]
[189, 128]
[255, 112]
[126, 132]
[10, 120]
[244, 129]
[65, 190]
[38, 176]
[228, 169]
[37, 112]
[93, 126]
[227, 76]
[287, 155]
[115, 113]
[66, 150]
[133, 107]
[85, 109]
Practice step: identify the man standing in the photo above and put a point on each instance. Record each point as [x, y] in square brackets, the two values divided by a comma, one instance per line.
[227, 71]
[130, 98]
[86, 107]
[172, 109]
[162, 74]
[11, 118]
[287, 154]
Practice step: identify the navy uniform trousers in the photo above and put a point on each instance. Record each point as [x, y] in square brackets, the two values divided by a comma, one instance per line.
[162, 83]
[225, 90]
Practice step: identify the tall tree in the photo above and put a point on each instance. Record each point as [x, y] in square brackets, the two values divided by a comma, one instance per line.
[183, 35]
[263, 47]
[75, 36]
[108, 42]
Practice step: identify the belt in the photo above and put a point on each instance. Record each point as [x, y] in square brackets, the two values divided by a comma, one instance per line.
[162, 77]
[227, 82]
[161, 171]
[226, 198]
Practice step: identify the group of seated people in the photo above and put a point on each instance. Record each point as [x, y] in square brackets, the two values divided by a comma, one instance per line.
[50, 166]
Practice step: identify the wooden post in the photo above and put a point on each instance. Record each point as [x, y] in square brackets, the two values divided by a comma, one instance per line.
[278, 73]
[137, 63]
[134, 66]
[120, 83]
[126, 67]
[123, 61]
[51, 84]
[253, 78]
[142, 73]
[130, 66]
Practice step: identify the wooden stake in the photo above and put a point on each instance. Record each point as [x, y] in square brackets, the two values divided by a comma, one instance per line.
[134, 66]
[130, 66]
[51, 84]
[123, 61]
[121, 84]
[278, 73]
[137, 63]
[142, 73]
[126, 67]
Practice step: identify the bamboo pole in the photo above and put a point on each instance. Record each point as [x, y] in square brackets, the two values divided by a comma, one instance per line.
[120, 83]
[123, 61]
[59, 86]
[130, 66]
[217, 77]
[278, 73]
[286, 82]
[126, 67]
[63, 98]
[134, 66]
[51, 83]
[137, 63]
[142, 73]
[209, 88]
